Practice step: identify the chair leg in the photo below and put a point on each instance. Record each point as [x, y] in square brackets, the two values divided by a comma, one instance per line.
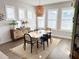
[43, 46]
[50, 40]
[31, 48]
[37, 45]
[24, 45]
[47, 43]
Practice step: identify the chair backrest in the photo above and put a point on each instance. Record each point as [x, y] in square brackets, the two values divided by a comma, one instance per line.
[44, 38]
[45, 35]
[27, 37]
[49, 35]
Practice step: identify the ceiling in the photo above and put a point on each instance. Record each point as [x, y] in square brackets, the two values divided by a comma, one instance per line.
[43, 2]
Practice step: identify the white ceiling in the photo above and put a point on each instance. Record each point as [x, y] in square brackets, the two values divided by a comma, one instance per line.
[43, 2]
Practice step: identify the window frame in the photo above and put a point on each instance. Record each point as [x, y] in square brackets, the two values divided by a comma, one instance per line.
[31, 19]
[22, 9]
[43, 19]
[8, 6]
[62, 18]
[54, 9]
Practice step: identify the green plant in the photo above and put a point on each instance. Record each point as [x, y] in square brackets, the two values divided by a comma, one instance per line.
[13, 22]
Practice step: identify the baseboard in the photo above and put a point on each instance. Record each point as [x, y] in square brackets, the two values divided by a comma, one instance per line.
[61, 37]
[5, 42]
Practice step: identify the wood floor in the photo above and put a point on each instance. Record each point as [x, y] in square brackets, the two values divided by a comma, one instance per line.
[5, 49]
[61, 51]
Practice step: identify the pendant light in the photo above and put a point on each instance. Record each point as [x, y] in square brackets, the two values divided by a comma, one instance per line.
[39, 9]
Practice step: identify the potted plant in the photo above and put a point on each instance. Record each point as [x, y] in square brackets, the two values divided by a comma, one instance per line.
[13, 23]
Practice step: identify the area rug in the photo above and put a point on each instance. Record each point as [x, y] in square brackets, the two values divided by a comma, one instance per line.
[38, 53]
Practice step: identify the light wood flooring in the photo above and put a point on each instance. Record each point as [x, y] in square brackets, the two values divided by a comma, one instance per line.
[61, 51]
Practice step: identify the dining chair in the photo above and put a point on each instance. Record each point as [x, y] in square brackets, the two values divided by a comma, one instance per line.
[46, 38]
[29, 40]
[50, 37]
[49, 34]
[43, 39]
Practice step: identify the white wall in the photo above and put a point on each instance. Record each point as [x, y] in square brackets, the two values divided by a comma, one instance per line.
[4, 27]
[59, 6]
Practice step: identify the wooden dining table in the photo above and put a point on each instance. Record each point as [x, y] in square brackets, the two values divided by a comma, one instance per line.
[39, 33]
[38, 37]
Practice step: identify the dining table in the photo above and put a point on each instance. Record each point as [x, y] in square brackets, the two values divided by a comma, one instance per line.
[41, 36]
[39, 33]
[37, 37]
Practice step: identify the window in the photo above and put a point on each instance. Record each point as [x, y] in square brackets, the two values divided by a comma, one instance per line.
[41, 21]
[10, 13]
[52, 18]
[30, 14]
[31, 19]
[67, 19]
[21, 14]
